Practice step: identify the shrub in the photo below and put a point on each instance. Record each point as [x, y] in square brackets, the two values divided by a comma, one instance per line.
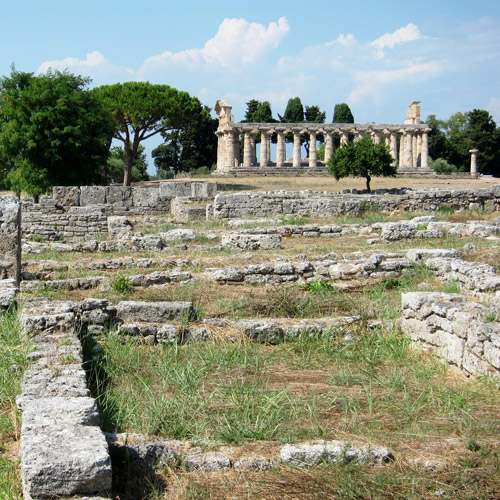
[121, 284]
[441, 166]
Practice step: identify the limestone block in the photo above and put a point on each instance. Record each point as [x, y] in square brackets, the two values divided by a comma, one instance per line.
[148, 197]
[8, 292]
[157, 312]
[64, 461]
[311, 454]
[203, 189]
[61, 411]
[255, 463]
[261, 331]
[119, 195]
[393, 231]
[210, 461]
[10, 237]
[92, 195]
[228, 274]
[67, 196]
[172, 189]
[167, 334]
[177, 235]
[119, 226]
[251, 241]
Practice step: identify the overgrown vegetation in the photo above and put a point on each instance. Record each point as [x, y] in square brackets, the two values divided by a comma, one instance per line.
[13, 352]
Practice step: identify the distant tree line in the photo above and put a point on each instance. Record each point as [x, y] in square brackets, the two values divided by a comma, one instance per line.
[451, 140]
[55, 130]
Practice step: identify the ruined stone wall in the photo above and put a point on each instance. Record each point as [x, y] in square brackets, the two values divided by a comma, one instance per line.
[465, 334]
[78, 212]
[10, 238]
[309, 204]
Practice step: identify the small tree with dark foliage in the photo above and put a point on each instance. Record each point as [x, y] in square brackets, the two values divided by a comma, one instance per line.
[362, 158]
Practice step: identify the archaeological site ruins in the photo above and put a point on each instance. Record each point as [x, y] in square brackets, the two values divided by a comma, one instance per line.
[180, 263]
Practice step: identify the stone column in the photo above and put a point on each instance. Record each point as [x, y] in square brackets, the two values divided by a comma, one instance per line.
[313, 156]
[247, 151]
[280, 156]
[264, 146]
[394, 148]
[409, 150]
[229, 153]
[328, 146]
[424, 162]
[236, 150]
[344, 137]
[10, 239]
[402, 144]
[414, 147]
[296, 149]
[376, 137]
[418, 162]
[473, 162]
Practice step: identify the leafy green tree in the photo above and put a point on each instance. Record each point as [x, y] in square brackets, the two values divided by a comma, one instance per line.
[294, 112]
[258, 112]
[116, 164]
[437, 138]
[53, 131]
[362, 158]
[313, 114]
[190, 148]
[140, 110]
[482, 133]
[342, 113]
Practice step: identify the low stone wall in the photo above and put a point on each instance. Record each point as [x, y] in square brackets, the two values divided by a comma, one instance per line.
[309, 204]
[10, 238]
[465, 334]
[63, 451]
[78, 212]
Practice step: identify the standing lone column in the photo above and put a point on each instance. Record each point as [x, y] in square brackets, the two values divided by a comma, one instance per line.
[296, 149]
[473, 162]
[230, 156]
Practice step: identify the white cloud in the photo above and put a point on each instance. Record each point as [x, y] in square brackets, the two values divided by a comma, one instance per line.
[407, 34]
[93, 60]
[237, 42]
[369, 81]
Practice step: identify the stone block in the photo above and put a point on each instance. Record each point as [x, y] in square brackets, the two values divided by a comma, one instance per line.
[119, 195]
[156, 312]
[64, 461]
[172, 189]
[66, 196]
[92, 195]
[10, 238]
[146, 197]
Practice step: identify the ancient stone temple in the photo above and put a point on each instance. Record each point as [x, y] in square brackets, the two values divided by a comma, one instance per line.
[407, 142]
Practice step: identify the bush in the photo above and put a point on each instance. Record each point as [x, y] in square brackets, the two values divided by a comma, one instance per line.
[441, 166]
[121, 284]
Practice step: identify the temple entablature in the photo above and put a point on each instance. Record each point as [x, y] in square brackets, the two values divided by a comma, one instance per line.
[408, 142]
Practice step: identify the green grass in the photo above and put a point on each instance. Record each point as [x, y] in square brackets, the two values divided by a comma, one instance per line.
[13, 352]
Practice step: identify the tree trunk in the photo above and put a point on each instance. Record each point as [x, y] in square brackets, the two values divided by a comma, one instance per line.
[368, 179]
[127, 174]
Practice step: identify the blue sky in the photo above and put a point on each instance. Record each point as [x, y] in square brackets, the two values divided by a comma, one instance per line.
[376, 56]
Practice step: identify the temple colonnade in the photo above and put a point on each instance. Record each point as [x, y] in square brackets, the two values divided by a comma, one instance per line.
[408, 142]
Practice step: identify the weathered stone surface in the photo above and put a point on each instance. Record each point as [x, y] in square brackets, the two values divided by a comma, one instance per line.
[64, 461]
[119, 226]
[243, 241]
[92, 195]
[157, 312]
[66, 196]
[252, 464]
[313, 453]
[177, 235]
[8, 292]
[211, 461]
[10, 238]
[261, 331]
